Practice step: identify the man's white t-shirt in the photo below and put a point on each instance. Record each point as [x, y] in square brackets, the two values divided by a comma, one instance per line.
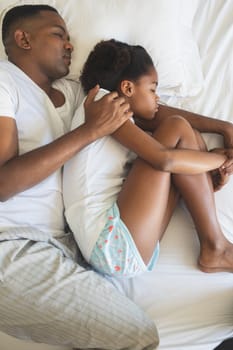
[38, 123]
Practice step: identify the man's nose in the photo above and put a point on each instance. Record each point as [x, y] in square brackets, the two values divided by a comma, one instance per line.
[69, 46]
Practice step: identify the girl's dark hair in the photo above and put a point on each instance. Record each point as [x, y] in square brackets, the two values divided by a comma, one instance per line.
[21, 12]
[112, 61]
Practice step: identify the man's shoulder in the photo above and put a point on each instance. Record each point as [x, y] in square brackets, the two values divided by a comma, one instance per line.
[5, 68]
[4, 62]
[7, 77]
[9, 73]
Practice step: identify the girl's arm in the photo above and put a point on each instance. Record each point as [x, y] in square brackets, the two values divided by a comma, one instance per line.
[164, 159]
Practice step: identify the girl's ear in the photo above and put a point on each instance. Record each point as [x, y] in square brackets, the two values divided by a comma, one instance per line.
[22, 39]
[127, 88]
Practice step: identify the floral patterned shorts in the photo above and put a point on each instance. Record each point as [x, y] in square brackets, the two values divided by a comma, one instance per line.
[115, 252]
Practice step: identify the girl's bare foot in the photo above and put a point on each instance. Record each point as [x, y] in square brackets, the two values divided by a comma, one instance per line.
[217, 259]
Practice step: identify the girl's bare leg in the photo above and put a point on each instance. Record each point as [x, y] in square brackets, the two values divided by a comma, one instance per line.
[216, 252]
[148, 198]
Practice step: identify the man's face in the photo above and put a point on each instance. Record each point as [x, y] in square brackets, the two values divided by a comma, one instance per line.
[50, 45]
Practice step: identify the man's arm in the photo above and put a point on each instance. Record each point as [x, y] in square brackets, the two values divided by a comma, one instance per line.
[20, 172]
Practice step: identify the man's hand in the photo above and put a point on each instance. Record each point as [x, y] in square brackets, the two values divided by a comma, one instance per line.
[107, 114]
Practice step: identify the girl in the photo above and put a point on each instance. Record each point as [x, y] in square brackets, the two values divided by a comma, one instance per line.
[121, 190]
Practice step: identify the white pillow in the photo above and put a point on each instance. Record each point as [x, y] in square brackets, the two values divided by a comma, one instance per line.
[164, 28]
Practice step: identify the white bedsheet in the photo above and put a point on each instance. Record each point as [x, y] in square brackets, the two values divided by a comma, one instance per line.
[192, 310]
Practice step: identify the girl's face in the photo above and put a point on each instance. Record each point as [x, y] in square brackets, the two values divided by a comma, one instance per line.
[144, 100]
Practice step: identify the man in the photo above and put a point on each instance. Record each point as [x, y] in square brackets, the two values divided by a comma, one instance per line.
[44, 294]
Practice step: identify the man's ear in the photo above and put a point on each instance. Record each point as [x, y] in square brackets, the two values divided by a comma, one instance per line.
[127, 87]
[22, 39]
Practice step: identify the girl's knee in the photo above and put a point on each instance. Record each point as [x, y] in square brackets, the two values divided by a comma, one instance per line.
[176, 131]
[178, 122]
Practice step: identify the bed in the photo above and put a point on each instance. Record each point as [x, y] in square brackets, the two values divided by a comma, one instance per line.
[191, 44]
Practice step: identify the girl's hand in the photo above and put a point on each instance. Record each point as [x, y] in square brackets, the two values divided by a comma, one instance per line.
[227, 166]
[219, 179]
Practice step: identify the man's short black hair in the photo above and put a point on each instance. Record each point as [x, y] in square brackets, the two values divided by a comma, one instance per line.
[21, 12]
